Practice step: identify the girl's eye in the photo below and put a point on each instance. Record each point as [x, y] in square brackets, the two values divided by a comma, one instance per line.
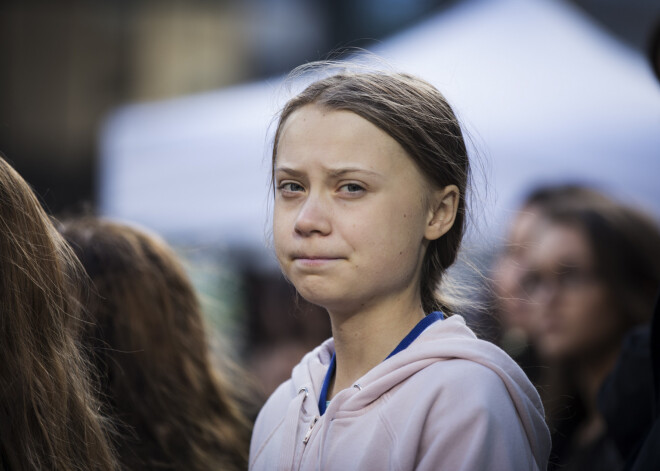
[352, 188]
[290, 187]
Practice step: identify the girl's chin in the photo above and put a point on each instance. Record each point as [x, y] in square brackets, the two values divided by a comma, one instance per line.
[326, 300]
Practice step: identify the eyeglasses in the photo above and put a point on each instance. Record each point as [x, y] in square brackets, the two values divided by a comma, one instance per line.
[566, 280]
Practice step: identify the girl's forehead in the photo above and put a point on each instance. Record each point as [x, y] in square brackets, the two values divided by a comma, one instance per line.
[330, 130]
[313, 114]
[343, 156]
[339, 139]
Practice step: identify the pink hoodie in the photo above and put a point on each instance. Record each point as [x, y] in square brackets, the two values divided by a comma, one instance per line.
[447, 402]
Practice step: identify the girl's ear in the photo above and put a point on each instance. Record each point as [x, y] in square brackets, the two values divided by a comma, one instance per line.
[442, 212]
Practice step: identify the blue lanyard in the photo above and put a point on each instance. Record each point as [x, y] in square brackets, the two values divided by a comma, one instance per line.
[407, 340]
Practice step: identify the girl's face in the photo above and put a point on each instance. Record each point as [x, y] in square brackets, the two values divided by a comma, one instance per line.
[351, 214]
[574, 311]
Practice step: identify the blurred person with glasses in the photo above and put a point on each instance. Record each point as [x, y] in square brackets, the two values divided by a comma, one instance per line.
[510, 281]
[591, 277]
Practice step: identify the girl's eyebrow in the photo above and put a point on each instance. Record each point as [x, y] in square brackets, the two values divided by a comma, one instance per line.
[340, 172]
[332, 173]
[289, 171]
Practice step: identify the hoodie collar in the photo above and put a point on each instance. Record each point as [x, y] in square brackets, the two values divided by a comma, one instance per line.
[407, 340]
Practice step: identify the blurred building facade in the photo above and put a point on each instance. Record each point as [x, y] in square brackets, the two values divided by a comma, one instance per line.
[67, 64]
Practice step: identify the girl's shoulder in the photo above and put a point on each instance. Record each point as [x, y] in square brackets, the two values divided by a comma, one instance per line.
[458, 400]
[303, 386]
[459, 380]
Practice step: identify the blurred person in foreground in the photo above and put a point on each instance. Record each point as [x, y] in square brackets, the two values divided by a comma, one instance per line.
[147, 338]
[593, 273]
[48, 414]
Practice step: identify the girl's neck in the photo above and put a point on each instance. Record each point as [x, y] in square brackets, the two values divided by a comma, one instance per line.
[366, 338]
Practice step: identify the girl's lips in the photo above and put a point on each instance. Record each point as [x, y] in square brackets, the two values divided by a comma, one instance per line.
[314, 261]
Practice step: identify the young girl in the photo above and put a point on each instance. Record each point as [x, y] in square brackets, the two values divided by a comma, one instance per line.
[370, 173]
[48, 415]
[147, 338]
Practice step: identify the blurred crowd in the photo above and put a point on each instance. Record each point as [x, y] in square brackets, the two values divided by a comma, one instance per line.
[102, 328]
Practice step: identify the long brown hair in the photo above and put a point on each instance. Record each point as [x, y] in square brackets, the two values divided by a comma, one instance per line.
[416, 115]
[48, 414]
[149, 342]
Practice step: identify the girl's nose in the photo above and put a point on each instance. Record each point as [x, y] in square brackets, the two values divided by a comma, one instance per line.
[313, 218]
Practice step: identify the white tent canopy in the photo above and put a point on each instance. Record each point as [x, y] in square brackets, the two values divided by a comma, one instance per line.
[193, 168]
[544, 94]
